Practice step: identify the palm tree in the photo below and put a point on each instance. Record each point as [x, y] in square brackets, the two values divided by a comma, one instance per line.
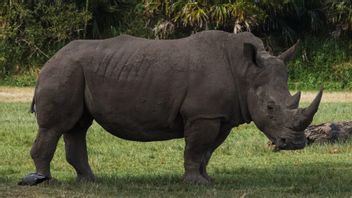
[340, 15]
[231, 15]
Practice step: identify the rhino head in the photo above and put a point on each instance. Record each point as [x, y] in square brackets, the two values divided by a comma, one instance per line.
[271, 106]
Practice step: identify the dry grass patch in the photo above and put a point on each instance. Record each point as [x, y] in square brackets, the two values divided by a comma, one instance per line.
[328, 96]
[25, 94]
[16, 94]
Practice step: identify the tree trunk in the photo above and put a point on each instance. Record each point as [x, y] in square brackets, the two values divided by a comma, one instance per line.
[329, 132]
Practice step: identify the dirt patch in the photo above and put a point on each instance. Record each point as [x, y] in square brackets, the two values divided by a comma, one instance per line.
[16, 94]
[20, 94]
[328, 96]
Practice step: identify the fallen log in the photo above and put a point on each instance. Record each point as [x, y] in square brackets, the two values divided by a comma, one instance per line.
[329, 132]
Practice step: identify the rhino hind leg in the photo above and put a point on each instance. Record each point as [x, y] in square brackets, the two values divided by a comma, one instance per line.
[45, 144]
[200, 137]
[59, 103]
[43, 150]
[76, 148]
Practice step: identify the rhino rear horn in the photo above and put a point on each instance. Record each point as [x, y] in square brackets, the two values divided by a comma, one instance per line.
[293, 101]
[290, 53]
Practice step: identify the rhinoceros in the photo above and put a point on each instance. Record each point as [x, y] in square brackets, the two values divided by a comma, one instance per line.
[197, 88]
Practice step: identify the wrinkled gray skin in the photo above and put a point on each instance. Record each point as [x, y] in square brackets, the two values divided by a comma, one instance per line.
[197, 88]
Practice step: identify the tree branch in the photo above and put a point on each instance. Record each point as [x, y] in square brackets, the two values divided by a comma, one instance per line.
[35, 47]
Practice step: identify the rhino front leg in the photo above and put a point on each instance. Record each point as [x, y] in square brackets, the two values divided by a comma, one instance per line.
[200, 136]
[224, 132]
[76, 152]
[203, 165]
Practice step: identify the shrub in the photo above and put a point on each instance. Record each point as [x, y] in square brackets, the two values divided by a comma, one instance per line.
[32, 34]
[322, 61]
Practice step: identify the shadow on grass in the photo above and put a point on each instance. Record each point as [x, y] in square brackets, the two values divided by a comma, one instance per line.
[324, 179]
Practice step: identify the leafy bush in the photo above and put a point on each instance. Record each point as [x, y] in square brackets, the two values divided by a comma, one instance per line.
[23, 79]
[30, 35]
[340, 14]
[325, 62]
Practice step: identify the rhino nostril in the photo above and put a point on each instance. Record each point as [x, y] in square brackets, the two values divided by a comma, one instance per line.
[283, 140]
[282, 143]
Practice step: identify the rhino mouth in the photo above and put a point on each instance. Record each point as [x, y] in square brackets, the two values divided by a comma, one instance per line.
[292, 134]
[284, 144]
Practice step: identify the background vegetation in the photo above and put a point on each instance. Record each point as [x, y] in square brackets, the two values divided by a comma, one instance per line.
[31, 31]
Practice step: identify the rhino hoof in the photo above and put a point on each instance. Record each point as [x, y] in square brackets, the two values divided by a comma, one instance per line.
[33, 179]
[196, 179]
[84, 179]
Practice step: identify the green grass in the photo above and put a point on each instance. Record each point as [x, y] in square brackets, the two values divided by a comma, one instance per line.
[243, 166]
[26, 79]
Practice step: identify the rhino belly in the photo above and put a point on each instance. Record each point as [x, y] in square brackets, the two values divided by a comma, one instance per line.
[141, 133]
[135, 114]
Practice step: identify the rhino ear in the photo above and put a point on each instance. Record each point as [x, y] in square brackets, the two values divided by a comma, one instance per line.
[290, 53]
[250, 52]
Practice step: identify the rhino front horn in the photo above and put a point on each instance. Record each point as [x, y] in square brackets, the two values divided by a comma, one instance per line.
[313, 107]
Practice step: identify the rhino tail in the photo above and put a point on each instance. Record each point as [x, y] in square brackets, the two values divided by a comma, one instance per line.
[32, 108]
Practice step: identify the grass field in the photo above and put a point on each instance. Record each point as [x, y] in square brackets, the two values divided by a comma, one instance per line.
[244, 166]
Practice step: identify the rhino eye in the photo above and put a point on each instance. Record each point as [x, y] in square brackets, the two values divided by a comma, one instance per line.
[270, 106]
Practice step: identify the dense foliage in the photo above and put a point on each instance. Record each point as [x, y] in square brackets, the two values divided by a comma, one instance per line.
[31, 33]
[32, 30]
